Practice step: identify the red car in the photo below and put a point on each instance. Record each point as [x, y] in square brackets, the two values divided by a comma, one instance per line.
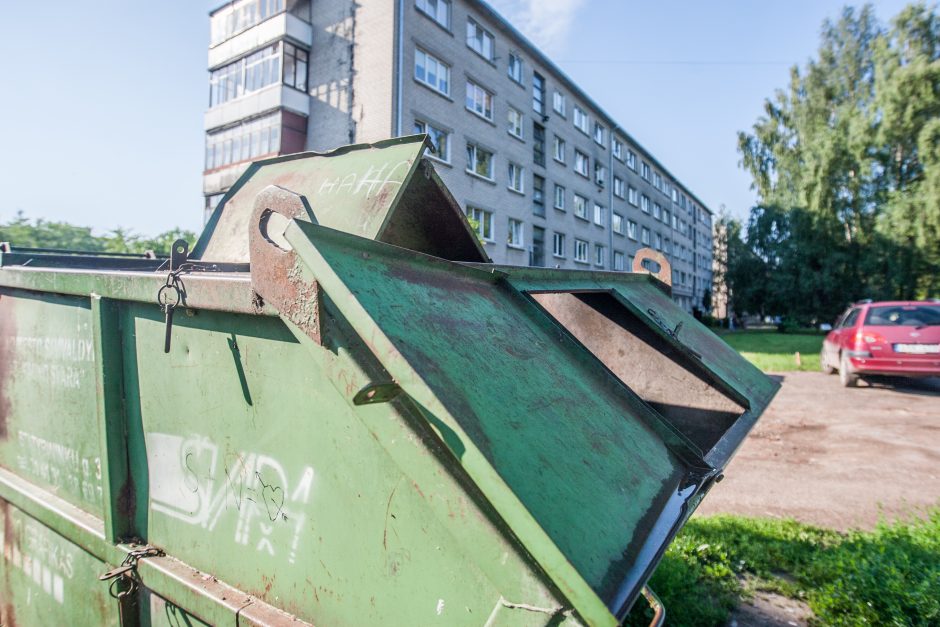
[897, 338]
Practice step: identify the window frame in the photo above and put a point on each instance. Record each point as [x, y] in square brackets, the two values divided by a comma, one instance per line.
[471, 163]
[521, 122]
[447, 134]
[488, 97]
[485, 222]
[424, 11]
[481, 34]
[516, 175]
[583, 245]
[440, 64]
[510, 240]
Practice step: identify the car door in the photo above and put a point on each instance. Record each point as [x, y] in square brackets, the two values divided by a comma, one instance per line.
[831, 343]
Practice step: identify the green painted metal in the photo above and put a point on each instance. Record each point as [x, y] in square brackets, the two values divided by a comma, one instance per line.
[437, 446]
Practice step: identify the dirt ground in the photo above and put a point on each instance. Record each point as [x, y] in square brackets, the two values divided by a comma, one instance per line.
[837, 457]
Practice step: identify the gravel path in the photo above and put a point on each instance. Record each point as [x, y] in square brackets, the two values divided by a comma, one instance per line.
[837, 457]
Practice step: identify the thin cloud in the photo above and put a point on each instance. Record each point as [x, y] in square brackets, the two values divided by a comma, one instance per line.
[545, 22]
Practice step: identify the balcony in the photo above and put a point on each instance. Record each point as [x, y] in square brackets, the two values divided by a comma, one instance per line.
[268, 31]
[277, 96]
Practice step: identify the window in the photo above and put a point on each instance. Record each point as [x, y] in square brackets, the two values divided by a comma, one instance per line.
[480, 40]
[516, 173]
[618, 261]
[236, 17]
[657, 211]
[559, 104]
[440, 140]
[580, 163]
[559, 197]
[616, 222]
[645, 203]
[295, 67]
[631, 230]
[437, 10]
[248, 140]
[515, 67]
[619, 190]
[600, 174]
[598, 255]
[538, 92]
[666, 216]
[580, 250]
[633, 196]
[432, 72]
[558, 245]
[657, 180]
[599, 212]
[558, 149]
[538, 195]
[617, 148]
[254, 72]
[631, 160]
[665, 187]
[479, 161]
[645, 236]
[675, 221]
[675, 195]
[646, 171]
[484, 222]
[580, 119]
[516, 238]
[479, 100]
[538, 144]
[658, 241]
[515, 123]
[580, 206]
[599, 133]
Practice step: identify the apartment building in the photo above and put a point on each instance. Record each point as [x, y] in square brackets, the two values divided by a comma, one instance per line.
[548, 178]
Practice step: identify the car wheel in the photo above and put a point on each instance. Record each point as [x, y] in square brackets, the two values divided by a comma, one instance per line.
[848, 378]
[826, 368]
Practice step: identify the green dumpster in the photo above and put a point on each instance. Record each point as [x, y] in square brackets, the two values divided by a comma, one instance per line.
[334, 410]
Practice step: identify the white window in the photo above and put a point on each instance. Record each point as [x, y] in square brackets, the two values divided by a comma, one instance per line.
[631, 160]
[580, 206]
[440, 140]
[666, 216]
[581, 163]
[599, 214]
[666, 187]
[616, 222]
[516, 234]
[675, 195]
[559, 104]
[479, 100]
[598, 255]
[581, 121]
[633, 197]
[580, 250]
[600, 174]
[247, 140]
[480, 40]
[437, 10]
[631, 230]
[516, 123]
[558, 245]
[646, 171]
[645, 203]
[483, 221]
[617, 148]
[599, 133]
[657, 180]
[645, 236]
[479, 161]
[516, 177]
[618, 261]
[619, 189]
[675, 221]
[657, 211]
[432, 72]
[658, 241]
[515, 67]
[558, 149]
[559, 197]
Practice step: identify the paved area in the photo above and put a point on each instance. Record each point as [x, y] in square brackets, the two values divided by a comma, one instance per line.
[838, 457]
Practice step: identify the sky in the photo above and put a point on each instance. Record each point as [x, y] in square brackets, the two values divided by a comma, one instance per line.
[101, 104]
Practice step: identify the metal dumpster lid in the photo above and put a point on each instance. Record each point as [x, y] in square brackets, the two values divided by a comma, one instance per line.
[383, 191]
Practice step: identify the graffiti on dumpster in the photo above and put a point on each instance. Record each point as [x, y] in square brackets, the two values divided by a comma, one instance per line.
[195, 481]
[373, 180]
[40, 554]
[60, 466]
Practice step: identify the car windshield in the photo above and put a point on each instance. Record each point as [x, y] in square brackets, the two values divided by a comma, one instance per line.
[904, 315]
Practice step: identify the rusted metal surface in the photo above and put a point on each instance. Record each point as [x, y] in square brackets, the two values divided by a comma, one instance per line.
[664, 273]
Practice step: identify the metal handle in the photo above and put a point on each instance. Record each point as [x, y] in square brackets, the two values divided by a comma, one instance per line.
[665, 268]
[659, 610]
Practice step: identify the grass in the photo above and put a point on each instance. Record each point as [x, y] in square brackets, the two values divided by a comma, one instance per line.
[775, 352]
[888, 576]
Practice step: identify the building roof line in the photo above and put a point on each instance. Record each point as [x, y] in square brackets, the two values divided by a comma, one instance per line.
[536, 52]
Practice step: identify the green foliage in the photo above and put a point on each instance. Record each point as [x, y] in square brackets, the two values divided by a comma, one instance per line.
[40, 233]
[889, 576]
[775, 352]
[846, 161]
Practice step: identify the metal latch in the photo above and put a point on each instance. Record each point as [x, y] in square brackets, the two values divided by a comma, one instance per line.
[126, 573]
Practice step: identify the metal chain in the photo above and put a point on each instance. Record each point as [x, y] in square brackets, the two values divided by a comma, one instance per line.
[126, 575]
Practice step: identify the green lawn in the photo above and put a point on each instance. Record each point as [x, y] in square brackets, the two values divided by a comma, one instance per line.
[776, 352]
[889, 576]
